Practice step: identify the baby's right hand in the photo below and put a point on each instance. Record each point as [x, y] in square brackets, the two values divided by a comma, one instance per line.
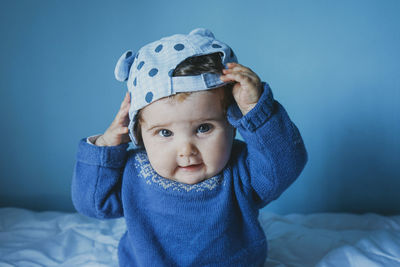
[118, 131]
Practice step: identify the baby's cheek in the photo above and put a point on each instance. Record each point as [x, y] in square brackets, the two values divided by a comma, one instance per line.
[164, 163]
[218, 156]
[225, 151]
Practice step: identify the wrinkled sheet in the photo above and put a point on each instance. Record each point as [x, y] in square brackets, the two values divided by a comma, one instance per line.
[30, 238]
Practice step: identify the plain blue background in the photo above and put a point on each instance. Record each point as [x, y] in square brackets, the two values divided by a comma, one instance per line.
[334, 65]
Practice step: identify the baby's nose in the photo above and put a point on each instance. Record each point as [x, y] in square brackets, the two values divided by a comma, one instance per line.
[187, 149]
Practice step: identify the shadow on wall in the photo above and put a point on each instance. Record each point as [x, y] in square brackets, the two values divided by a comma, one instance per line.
[363, 168]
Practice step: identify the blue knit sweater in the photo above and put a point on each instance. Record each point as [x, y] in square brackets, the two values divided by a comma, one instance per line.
[212, 223]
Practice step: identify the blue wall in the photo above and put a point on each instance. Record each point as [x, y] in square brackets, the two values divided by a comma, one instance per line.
[334, 65]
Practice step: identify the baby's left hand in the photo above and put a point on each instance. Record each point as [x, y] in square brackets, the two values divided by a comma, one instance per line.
[247, 89]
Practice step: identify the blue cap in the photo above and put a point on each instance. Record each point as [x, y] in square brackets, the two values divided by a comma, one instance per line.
[148, 72]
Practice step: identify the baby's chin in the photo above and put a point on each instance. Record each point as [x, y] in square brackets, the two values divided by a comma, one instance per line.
[191, 176]
[190, 181]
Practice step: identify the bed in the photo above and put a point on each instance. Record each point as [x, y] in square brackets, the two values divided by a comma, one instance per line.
[29, 238]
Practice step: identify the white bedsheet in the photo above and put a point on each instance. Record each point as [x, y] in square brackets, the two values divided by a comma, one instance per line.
[30, 238]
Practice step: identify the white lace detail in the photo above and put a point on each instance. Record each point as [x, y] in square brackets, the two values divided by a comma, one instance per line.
[147, 172]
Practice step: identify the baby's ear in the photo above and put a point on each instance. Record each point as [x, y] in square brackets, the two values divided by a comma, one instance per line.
[124, 65]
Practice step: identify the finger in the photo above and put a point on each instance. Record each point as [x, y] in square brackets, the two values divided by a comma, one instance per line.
[123, 130]
[231, 64]
[226, 71]
[126, 101]
[239, 67]
[124, 109]
[122, 117]
[246, 71]
[118, 130]
[240, 77]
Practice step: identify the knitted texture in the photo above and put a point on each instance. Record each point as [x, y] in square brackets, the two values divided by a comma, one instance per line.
[212, 223]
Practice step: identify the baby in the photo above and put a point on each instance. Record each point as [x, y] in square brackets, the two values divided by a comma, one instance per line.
[190, 193]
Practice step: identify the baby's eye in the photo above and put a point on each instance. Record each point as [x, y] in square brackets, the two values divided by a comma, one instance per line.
[165, 133]
[203, 128]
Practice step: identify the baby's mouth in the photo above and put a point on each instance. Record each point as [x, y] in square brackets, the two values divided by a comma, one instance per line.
[192, 167]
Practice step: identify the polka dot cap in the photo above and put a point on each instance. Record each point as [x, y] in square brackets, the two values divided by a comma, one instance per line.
[148, 73]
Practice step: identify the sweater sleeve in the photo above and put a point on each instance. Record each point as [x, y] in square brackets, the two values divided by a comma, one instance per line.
[275, 154]
[96, 183]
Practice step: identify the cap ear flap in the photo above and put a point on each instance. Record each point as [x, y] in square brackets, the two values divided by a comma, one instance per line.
[202, 31]
[123, 66]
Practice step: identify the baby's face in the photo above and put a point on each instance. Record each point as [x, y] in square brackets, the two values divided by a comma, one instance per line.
[187, 141]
